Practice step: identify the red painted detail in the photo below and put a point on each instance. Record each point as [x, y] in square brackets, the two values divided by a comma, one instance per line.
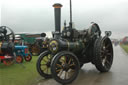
[5, 57]
[26, 50]
[2, 57]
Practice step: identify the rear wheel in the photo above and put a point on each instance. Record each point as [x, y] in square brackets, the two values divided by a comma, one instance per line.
[103, 54]
[65, 67]
[35, 50]
[28, 58]
[43, 64]
[19, 59]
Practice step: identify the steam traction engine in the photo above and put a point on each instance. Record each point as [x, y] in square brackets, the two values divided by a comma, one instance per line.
[70, 49]
[7, 53]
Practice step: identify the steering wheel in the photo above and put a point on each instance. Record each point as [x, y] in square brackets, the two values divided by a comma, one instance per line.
[6, 34]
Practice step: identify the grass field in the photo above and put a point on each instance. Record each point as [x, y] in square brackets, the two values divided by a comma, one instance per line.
[19, 74]
[125, 47]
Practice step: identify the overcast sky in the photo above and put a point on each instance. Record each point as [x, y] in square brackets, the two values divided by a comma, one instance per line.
[38, 15]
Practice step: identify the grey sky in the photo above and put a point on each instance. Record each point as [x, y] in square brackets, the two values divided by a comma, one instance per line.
[38, 15]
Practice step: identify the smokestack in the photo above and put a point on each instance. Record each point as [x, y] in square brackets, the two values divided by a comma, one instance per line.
[57, 9]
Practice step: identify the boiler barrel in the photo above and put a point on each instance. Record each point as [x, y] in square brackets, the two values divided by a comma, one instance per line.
[57, 45]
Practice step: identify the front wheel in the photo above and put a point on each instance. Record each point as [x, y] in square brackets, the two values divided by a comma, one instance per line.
[43, 64]
[65, 67]
[28, 58]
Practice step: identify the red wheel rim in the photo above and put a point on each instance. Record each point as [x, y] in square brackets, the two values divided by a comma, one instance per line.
[28, 57]
[19, 59]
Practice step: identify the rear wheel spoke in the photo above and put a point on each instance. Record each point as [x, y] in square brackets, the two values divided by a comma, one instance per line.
[108, 63]
[44, 69]
[108, 46]
[109, 54]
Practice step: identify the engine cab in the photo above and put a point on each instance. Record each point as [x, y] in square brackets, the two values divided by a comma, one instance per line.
[74, 35]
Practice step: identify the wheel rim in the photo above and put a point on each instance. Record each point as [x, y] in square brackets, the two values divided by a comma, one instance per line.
[107, 53]
[45, 64]
[18, 59]
[28, 57]
[65, 67]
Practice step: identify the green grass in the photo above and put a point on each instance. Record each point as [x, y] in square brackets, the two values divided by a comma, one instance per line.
[19, 74]
[125, 47]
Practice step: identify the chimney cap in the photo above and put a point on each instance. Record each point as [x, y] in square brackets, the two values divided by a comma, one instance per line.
[57, 5]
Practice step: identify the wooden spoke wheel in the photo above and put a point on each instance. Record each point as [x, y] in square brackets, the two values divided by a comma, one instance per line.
[28, 58]
[35, 50]
[65, 67]
[43, 64]
[103, 54]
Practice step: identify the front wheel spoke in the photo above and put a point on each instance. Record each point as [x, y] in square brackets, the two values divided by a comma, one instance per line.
[43, 64]
[69, 61]
[71, 72]
[58, 70]
[62, 60]
[60, 73]
[47, 71]
[44, 69]
[49, 57]
[45, 61]
[65, 77]
[65, 61]
[58, 65]
[72, 65]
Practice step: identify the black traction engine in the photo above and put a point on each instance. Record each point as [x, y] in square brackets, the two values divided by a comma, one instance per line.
[70, 49]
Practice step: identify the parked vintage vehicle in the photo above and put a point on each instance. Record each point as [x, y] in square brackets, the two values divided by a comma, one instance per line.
[23, 52]
[35, 42]
[70, 49]
[7, 47]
